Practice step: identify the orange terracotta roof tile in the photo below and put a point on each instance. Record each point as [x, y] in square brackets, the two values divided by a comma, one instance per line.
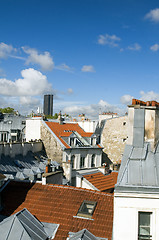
[66, 129]
[102, 182]
[60, 204]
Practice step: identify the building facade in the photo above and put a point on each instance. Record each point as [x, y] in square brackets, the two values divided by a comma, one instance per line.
[48, 104]
[12, 128]
[136, 197]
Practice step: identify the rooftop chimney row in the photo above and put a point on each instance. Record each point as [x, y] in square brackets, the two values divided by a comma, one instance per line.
[142, 103]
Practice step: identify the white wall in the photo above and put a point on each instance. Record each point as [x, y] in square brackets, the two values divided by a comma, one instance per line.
[33, 129]
[83, 183]
[88, 126]
[126, 208]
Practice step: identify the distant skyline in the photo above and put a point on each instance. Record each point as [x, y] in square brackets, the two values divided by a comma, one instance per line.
[93, 55]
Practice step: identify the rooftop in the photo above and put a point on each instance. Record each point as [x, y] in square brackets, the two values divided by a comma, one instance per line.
[59, 205]
[65, 130]
[23, 225]
[102, 182]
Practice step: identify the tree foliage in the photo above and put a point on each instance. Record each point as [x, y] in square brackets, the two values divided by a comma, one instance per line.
[7, 110]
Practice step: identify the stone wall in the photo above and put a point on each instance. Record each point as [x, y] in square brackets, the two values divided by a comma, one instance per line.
[52, 146]
[114, 137]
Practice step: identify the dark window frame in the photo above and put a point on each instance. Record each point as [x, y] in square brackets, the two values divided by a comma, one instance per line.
[82, 213]
[142, 226]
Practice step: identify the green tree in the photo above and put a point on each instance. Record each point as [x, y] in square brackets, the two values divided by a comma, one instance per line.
[7, 110]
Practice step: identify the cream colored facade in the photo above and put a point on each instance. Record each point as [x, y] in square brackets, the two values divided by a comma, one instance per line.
[114, 138]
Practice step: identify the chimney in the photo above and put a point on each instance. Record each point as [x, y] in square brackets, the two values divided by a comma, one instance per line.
[143, 123]
[60, 119]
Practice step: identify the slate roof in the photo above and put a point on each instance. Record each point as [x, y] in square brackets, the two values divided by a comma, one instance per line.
[23, 166]
[139, 168]
[59, 204]
[84, 234]
[24, 226]
[62, 131]
[102, 182]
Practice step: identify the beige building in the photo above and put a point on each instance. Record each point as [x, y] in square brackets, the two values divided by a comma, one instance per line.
[114, 137]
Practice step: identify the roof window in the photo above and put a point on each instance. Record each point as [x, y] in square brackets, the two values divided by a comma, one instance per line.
[86, 209]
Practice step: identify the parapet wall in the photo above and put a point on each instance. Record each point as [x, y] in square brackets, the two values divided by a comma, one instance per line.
[12, 149]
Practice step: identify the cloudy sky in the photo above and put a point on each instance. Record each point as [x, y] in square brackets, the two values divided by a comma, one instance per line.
[93, 55]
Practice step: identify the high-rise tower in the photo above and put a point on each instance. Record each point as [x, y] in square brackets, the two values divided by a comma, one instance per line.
[48, 104]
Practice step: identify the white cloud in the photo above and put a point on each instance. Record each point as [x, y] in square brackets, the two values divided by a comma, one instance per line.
[134, 47]
[44, 60]
[70, 91]
[32, 83]
[5, 50]
[88, 68]
[92, 110]
[155, 47]
[153, 15]
[149, 96]
[31, 101]
[126, 99]
[111, 40]
[64, 67]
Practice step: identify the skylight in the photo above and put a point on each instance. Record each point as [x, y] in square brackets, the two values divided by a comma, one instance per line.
[86, 209]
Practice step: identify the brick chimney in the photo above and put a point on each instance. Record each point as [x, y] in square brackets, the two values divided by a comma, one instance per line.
[143, 123]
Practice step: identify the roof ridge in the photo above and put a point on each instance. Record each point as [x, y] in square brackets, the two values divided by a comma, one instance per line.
[79, 189]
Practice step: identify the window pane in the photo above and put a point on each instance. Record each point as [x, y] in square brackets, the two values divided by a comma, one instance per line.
[144, 218]
[144, 226]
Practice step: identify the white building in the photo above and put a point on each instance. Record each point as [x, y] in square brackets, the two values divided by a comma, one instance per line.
[66, 143]
[136, 197]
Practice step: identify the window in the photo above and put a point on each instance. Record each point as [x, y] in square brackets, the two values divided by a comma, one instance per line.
[72, 142]
[73, 161]
[82, 161]
[93, 161]
[3, 137]
[86, 209]
[144, 228]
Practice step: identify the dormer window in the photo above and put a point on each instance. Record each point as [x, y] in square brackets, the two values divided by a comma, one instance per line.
[93, 141]
[72, 142]
[87, 209]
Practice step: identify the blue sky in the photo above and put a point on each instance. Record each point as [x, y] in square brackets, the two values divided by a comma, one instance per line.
[93, 55]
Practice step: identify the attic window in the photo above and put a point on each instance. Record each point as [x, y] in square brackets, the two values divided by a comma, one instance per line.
[86, 209]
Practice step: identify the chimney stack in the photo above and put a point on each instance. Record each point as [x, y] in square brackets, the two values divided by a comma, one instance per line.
[143, 123]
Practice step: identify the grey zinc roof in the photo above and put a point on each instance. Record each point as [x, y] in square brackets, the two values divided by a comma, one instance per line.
[139, 168]
[24, 226]
[84, 234]
[22, 167]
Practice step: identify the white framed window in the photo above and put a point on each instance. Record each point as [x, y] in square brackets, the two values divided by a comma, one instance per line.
[73, 161]
[144, 225]
[93, 160]
[82, 162]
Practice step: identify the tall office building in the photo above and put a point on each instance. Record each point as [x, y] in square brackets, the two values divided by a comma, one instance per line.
[48, 104]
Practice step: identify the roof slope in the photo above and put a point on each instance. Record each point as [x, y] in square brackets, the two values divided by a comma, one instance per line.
[66, 129]
[84, 234]
[102, 182]
[139, 168]
[24, 226]
[60, 204]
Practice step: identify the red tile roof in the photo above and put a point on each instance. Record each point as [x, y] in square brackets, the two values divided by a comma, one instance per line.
[66, 129]
[102, 182]
[59, 204]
